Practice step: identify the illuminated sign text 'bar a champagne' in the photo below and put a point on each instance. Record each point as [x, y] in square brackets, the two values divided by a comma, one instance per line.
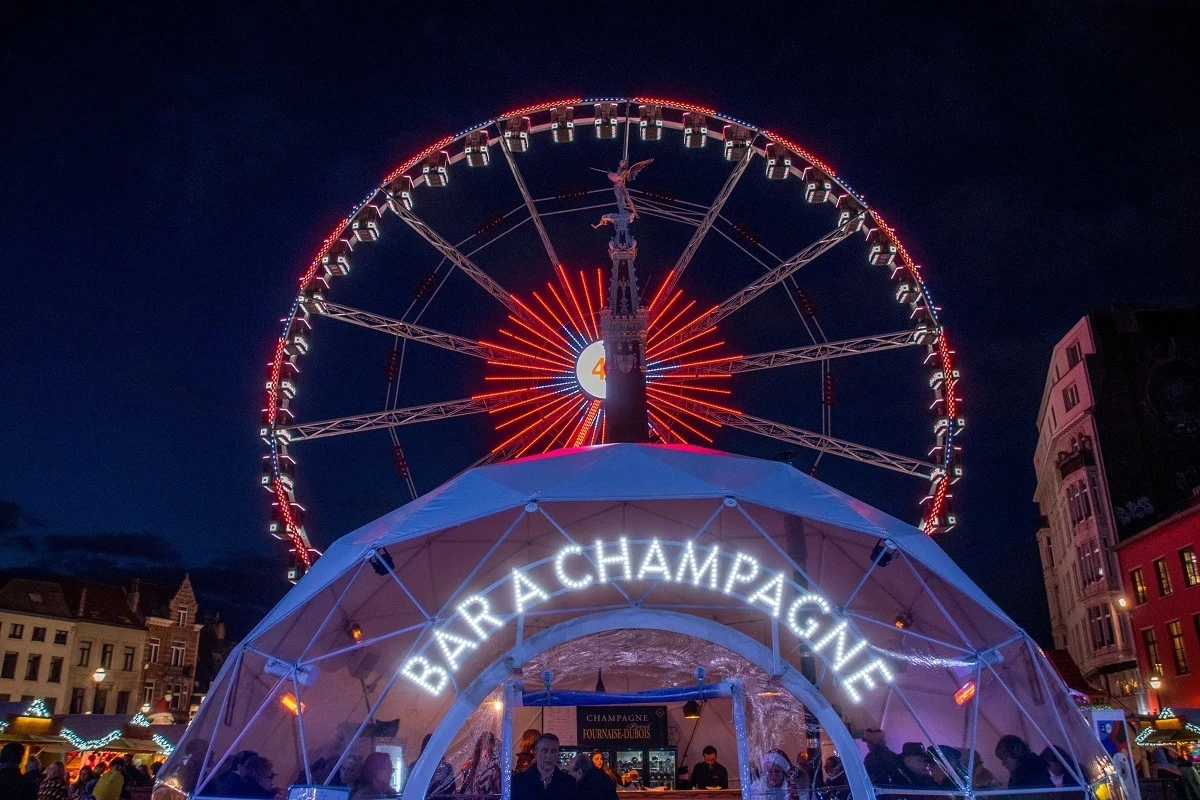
[576, 568]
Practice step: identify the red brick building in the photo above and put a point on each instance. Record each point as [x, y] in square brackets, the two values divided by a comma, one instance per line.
[1161, 569]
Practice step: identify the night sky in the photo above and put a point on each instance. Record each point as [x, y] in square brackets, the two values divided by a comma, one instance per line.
[168, 171]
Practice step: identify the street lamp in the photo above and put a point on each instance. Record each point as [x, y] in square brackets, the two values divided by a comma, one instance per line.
[1155, 682]
[99, 675]
[145, 708]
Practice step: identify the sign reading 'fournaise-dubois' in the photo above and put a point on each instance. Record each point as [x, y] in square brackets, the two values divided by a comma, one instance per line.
[605, 727]
[576, 568]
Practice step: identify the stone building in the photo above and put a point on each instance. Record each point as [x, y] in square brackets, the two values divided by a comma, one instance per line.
[105, 669]
[36, 640]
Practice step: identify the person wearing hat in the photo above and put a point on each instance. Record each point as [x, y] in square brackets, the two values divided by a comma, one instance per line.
[772, 783]
[917, 765]
[950, 758]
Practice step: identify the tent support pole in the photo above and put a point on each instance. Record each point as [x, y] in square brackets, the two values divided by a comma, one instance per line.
[739, 730]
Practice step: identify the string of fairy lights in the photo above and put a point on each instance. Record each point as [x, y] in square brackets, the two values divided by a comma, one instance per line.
[38, 709]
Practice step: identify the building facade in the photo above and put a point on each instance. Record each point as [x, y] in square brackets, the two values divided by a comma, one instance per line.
[1161, 566]
[36, 641]
[1118, 449]
[172, 646]
[106, 660]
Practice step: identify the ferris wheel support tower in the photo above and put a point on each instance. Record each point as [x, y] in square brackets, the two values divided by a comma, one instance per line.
[623, 324]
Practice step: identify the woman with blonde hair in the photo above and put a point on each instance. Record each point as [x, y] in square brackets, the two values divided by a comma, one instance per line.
[54, 784]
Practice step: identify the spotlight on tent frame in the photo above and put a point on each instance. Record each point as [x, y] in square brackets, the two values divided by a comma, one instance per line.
[691, 710]
[883, 553]
[354, 631]
[382, 562]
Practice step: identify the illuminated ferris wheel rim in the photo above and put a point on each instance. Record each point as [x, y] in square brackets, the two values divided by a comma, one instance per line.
[515, 129]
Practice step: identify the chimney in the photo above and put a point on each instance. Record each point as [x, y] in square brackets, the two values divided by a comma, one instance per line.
[135, 595]
[82, 600]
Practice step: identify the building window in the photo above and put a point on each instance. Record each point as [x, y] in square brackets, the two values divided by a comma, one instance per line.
[1078, 503]
[152, 654]
[1191, 570]
[176, 699]
[51, 704]
[1178, 650]
[177, 651]
[33, 667]
[99, 701]
[122, 703]
[85, 654]
[1139, 586]
[38, 635]
[106, 654]
[1100, 622]
[130, 654]
[1070, 397]
[9, 668]
[1150, 645]
[1091, 566]
[60, 637]
[181, 618]
[1074, 355]
[77, 699]
[56, 664]
[16, 631]
[1164, 577]
[147, 693]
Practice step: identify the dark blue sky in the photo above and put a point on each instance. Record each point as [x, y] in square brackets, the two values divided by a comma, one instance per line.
[167, 173]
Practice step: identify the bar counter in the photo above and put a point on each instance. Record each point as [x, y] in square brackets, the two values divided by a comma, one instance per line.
[678, 794]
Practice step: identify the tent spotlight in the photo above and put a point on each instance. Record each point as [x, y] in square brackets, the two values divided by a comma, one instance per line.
[691, 710]
[382, 562]
[883, 553]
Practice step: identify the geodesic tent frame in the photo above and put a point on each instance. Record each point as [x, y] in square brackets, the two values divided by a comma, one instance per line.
[423, 615]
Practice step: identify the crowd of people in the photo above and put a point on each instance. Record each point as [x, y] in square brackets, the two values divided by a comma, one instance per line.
[102, 780]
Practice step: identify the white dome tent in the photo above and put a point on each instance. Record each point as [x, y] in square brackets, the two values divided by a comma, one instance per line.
[424, 614]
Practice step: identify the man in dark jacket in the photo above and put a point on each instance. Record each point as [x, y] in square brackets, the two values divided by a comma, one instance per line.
[544, 780]
[884, 766]
[709, 772]
[1026, 769]
[13, 784]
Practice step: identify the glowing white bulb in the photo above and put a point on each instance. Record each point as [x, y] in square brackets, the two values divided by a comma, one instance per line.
[602, 561]
[659, 564]
[688, 559]
[810, 624]
[423, 679]
[772, 599]
[453, 647]
[521, 597]
[840, 655]
[484, 615]
[864, 676]
[738, 576]
[565, 579]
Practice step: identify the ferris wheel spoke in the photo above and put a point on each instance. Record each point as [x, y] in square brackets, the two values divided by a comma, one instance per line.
[464, 263]
[794, 355]
[393, 418]
[706, 222]
[820, 442]
[757, 287]
[529, 204]
[413, 333]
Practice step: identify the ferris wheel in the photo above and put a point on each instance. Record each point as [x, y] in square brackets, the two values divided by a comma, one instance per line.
[543, 263]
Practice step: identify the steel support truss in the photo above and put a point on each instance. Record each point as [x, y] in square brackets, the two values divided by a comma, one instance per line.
[397, 416]
[796, 355]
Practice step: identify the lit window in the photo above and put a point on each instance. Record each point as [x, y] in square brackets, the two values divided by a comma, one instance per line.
[1191, 571]
[1164, 577]
[1178, 650]
[1139, 586]
[1150, 645]
[1070, 397]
